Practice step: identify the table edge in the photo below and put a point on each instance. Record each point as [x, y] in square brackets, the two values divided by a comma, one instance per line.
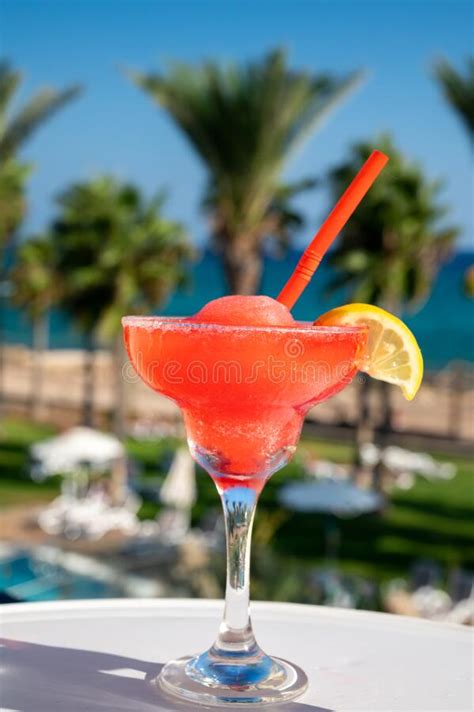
[9, 612]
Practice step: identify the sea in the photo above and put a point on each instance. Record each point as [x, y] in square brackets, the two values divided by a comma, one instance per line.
[443, 325]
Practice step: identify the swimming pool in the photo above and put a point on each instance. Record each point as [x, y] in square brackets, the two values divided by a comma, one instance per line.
[49, 574]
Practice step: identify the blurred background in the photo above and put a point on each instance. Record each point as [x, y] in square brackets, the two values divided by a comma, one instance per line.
[133, 138]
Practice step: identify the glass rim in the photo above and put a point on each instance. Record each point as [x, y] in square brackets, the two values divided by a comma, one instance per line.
[154, 322]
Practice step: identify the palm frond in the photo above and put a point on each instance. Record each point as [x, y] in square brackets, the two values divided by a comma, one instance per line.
[36, 111]
[13, 175]
[289, 190]
[243, 121]
[9, 82]
[458, 89]
[33, 275]
[329, 94]
[391, 249]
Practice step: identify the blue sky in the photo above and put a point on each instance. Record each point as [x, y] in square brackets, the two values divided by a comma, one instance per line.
[114, 128]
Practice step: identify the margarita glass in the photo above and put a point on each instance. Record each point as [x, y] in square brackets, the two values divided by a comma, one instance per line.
[244, 391]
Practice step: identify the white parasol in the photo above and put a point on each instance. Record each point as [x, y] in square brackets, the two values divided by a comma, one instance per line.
[179, 487]
[67, 452]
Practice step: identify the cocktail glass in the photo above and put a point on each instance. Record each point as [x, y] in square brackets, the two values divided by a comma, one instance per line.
[243, 392]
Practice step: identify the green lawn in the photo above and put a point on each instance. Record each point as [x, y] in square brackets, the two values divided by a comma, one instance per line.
[430, 521]
[15, 485]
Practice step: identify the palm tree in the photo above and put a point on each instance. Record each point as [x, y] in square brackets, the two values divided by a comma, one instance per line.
[115, 254]
[35, 289]
[244, 122]
[458, 89]
[16, 127]
[391, 250]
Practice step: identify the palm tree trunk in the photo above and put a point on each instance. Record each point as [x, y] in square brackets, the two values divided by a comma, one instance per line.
[386, 413]
[455, 408]
[4, 294]
[40, 345]
[380, 471]
[392, 305]
[88, 384]
[119, 358]
[365, 426]
[243, 268]
[386, 407]
[118, 481]
[2, 360]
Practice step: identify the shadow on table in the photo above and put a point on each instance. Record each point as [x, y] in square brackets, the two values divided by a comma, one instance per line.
[43, 678]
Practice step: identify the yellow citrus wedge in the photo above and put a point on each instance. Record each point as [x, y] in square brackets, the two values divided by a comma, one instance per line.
[392, 353]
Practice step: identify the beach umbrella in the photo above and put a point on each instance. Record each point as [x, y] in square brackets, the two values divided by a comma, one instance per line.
[339, 497]
[70, 451]
[332, 498]
[179, 487]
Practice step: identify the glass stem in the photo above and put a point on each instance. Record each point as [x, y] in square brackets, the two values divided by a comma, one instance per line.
[235, 632]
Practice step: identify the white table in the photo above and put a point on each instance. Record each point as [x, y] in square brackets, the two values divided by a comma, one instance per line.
[95, 656]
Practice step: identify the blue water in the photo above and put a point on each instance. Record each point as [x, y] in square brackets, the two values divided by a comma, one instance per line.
[27, 578]
[443, 326]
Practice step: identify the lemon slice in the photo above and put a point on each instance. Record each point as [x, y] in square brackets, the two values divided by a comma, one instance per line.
[392, 353]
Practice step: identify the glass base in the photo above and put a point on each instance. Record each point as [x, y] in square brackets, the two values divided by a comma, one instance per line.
[232, 680]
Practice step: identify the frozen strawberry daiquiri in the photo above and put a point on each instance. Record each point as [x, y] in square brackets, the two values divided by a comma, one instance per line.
[244, 374]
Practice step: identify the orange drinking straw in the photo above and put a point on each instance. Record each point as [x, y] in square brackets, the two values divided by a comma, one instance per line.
[329, 230]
